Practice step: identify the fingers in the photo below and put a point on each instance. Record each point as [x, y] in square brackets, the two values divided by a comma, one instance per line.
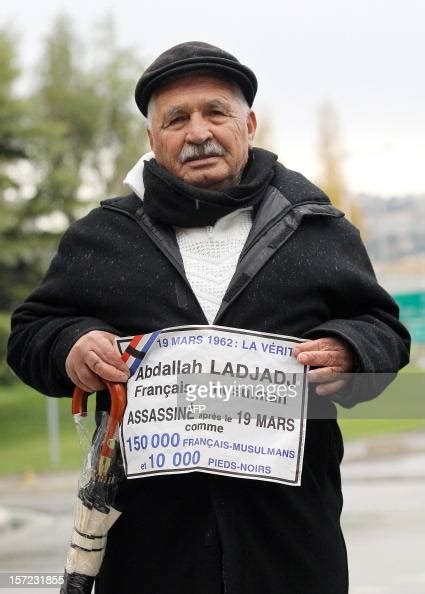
[330, 380]
[325, 352]
[330, 388]
[104, 365]
[93, 359]
[325, 374]
[101, 344]
[86, 379]
[332, 356]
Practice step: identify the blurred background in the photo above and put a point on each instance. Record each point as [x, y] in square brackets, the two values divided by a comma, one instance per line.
[341, 96]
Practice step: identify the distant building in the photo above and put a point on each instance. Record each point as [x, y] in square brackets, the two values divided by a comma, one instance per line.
[393, 230]
[394, 227]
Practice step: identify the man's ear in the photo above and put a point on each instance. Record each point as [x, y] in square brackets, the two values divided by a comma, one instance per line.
[251, 123]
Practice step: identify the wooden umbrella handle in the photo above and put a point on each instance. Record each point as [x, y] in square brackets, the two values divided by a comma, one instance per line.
[118, 395]
[116, 413]
[79, 401]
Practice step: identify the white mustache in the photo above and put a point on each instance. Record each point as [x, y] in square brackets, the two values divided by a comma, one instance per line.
[209, 148]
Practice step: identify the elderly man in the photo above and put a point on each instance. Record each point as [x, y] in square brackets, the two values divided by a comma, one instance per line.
[215, 231]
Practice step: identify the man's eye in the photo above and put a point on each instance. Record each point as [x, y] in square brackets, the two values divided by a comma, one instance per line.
[176, 120]
[217, 112]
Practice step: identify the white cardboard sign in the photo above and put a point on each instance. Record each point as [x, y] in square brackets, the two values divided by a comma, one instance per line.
[214, 399]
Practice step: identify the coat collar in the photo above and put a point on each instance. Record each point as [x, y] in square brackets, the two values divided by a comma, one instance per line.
[134, 178]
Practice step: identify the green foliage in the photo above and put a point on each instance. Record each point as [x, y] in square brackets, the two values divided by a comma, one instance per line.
[11, 109]
[63, 147]
[13, 135]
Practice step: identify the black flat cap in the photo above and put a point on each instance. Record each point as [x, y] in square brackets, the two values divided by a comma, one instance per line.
[191, 56]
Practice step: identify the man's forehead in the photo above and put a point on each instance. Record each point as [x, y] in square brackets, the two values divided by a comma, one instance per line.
[173, 108]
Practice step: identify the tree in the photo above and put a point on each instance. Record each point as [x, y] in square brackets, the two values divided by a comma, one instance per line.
[62, 147]
[14, 138]
[264, 134]
[92, 124]
[11, 109]
[331, 157]
[121, 136]
[81, 133]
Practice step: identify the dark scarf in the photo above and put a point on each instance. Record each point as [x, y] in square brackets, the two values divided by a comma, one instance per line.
[170, 200]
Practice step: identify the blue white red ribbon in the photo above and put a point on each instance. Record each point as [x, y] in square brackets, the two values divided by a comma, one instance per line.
[137, 350]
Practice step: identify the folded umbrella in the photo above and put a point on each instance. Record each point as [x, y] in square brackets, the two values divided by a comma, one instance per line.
[95, 510]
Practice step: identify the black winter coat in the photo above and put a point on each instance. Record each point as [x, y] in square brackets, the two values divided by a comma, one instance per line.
[302, 272]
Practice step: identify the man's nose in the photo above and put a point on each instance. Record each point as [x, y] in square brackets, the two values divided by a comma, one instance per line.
[198, 130]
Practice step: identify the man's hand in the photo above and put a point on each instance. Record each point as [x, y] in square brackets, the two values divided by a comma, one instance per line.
[93, 358]
[333, 356]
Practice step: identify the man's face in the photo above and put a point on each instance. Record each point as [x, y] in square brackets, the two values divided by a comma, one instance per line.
[196, 113]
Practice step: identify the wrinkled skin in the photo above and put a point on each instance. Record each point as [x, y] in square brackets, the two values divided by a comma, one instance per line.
[195, 110]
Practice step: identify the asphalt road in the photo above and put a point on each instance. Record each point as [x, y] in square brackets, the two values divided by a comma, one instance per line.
[384, 527]
[383, 522]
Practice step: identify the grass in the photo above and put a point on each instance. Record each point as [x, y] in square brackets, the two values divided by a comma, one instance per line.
[401, 407]
[23, 423]
[23, 432]
[358, 428]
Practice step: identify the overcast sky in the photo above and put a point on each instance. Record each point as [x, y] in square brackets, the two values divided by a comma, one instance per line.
[364, 56]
